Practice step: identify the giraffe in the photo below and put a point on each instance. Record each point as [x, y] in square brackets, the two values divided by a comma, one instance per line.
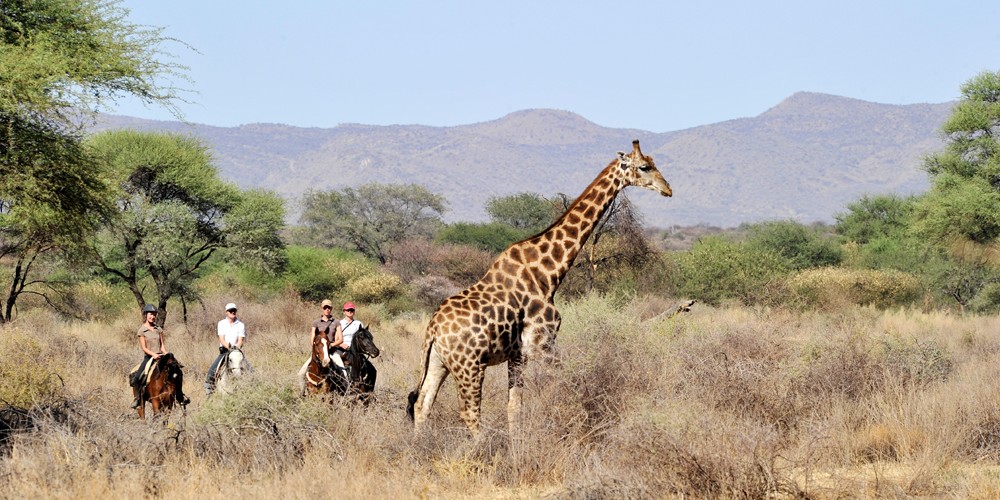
[509, 314]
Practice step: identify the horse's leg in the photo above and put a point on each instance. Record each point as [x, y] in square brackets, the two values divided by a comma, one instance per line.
[301, 378]
[368, 376]
[141, 409]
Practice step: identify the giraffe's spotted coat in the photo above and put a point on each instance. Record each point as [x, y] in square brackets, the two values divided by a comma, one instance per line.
[509, 314]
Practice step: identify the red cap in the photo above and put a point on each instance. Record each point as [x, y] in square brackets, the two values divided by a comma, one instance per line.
[349, 305]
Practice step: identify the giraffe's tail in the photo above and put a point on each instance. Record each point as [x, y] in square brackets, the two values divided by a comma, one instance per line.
[412, 398]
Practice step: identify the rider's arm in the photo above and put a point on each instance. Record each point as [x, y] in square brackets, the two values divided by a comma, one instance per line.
[163, 344]
[241, 335]
[222, 335]
[338, 335]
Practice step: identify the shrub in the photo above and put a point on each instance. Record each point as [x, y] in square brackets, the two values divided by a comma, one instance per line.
[317, 273]
[461, 264]
[26, 373]
[716, 269]
[820, 288]
[374, 287]
[430, 291]
[493, 237]
[803, 247]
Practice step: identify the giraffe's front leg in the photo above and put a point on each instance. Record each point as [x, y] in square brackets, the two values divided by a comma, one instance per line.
[470, 391]
[538, 339]
[515, 385]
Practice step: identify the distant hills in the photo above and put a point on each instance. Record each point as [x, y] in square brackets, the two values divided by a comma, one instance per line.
[804, 159]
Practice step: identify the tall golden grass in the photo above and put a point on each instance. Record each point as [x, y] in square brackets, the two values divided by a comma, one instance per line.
[716, 402]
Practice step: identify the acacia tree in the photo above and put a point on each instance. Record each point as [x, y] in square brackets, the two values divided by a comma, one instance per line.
[174, 214]
[962, 205]
[372, 217]
[526, 211]
[59, 61]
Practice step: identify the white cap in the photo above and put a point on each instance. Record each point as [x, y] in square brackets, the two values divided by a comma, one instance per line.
[230, 306]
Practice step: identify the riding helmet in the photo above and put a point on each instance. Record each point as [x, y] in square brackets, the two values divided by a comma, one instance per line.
[150, 308]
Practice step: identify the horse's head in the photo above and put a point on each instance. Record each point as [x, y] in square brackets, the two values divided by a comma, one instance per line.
[235, 359]
[169, 365]
[365, 342]
[321, 350]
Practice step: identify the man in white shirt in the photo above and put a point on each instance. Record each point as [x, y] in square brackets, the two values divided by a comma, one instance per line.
[232, 333]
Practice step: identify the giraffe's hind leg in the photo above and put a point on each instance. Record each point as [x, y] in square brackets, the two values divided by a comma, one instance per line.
[437, 372]
[470, 391]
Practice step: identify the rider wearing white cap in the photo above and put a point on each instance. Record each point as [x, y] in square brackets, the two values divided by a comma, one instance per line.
[232, 332]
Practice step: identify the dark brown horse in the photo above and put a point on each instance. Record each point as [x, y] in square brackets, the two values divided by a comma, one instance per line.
[164, 387]
[363, 373]
[320, 378]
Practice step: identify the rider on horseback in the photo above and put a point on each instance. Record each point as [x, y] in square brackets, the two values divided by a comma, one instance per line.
[349, 326]
[232, 332]
[330, 327]
[152, 344]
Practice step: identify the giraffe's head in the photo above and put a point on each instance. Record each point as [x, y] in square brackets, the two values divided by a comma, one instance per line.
[640, 171]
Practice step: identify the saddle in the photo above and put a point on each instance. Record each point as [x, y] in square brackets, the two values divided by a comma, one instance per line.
[146, 373]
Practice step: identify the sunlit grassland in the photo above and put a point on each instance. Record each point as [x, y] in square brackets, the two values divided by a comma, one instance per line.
[716, 402]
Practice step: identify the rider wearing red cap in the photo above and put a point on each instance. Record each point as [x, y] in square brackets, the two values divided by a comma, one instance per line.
[349, 325]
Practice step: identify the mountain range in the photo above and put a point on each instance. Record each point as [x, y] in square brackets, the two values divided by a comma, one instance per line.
[804, 159]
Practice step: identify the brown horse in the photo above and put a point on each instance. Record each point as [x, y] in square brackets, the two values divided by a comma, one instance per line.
[320, 377]
[164, 387]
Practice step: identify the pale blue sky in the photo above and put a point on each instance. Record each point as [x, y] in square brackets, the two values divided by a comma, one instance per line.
[651, 65]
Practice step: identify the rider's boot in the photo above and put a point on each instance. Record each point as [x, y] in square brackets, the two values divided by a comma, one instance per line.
[135, 394]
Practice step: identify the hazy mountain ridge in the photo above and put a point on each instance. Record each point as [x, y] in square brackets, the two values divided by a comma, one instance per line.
[805, 158]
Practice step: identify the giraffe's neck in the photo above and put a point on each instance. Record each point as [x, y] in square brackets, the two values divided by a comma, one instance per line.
[548, 256]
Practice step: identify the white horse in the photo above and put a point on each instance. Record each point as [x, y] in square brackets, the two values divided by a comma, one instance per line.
[233, 366]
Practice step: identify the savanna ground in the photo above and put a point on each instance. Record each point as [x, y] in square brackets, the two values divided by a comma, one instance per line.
[716, 402]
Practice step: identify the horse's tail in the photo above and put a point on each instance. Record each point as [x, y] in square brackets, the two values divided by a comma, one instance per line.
[412, 398]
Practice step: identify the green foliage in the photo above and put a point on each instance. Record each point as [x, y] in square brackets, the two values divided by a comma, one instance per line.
[492, 237]
[831, 287]
[374, 287]
[172, 208]
[318, 274]
[967, 284]
[371, 217]
[801, 246]
[715, 269]
[60, 60]
[873, 217]
[252, 232]
[959, 208]
[26, 375]
[258, 399]
[530, 212]
[63, 55]
[901, 252]
[962, 205]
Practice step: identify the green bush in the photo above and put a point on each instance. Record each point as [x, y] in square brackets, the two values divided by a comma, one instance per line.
[715, 269]
[318, 274]
[802, 246]
[831, 287]
[374, 287]
[26, 373]
[492, 237]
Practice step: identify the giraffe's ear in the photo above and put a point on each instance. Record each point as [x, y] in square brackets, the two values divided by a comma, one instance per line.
[623, 160]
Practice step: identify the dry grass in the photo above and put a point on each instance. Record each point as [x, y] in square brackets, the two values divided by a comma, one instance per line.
[721, 403]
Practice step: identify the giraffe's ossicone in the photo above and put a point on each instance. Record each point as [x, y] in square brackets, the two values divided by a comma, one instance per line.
[509, 314]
